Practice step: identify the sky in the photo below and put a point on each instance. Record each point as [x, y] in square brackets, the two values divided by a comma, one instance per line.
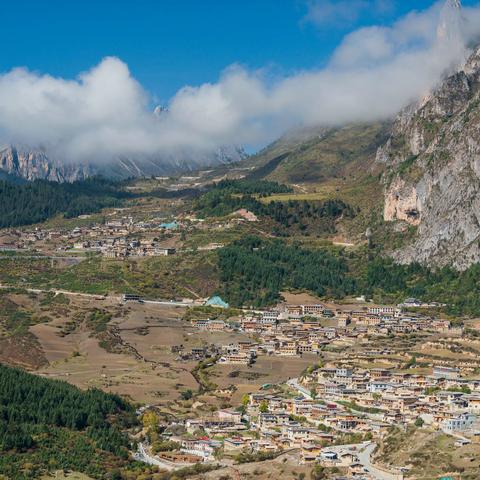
[170, 44]
[81, 77]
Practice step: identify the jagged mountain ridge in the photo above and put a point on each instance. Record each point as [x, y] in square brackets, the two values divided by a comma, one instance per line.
[432, 179]
[31, 164]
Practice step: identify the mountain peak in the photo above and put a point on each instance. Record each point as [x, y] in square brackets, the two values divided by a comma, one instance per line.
[454, 3]
[449, 26]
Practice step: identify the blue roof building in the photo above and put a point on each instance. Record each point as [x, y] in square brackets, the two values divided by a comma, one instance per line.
[216, 301]
[169, 226]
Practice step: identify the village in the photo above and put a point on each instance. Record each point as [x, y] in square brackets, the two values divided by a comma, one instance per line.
[335, 413]
[362, 380]
[112, 239]
[294, 330]
[118, 237]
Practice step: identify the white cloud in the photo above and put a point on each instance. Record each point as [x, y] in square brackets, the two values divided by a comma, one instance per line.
[104, 113]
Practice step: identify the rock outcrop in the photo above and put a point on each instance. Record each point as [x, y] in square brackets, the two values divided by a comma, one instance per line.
[432, 179]
[35, 164]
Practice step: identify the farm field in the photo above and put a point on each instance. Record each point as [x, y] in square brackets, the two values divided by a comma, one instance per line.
[129, 349]
[142, 370]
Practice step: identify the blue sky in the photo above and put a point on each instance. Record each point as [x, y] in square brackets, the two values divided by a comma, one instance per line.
[169, 44]
[297, 63]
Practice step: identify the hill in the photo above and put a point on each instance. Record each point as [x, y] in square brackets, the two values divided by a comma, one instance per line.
[47, 425]
[315, 156]
[328, 164]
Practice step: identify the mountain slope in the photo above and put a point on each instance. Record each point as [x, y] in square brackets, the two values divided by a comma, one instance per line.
[315, 156]
[330, 164]
[31, 164]
[433, 163]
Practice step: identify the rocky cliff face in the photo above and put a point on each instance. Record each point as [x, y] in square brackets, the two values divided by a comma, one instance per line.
[432, 178]
[34, 164]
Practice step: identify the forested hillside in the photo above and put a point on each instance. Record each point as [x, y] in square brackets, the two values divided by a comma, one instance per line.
[286, 216]
[33, 202]
[254, 271]
[46, 424]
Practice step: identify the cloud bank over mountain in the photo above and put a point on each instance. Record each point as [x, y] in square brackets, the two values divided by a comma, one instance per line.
[105, 112]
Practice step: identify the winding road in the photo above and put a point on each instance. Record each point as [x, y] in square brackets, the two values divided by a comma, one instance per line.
[364, 456]
[363, 451]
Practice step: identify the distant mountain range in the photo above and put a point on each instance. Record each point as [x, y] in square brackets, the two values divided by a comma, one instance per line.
[30, 164]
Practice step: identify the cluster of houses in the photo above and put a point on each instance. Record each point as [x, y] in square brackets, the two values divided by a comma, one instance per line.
[336, 405]
[355, 400]
[340, 401]
[195, 353]
[113, 239]
[123, 247]
[442, 398]
[295, 330]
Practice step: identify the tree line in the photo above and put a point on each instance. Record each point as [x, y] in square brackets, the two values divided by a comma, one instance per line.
[33, 202]
[36, 413]
[251, 187]
[459, 290]
[305, 216]
[254, 271]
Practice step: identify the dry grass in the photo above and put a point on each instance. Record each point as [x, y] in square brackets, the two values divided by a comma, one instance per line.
[60, 475]
[429, 454]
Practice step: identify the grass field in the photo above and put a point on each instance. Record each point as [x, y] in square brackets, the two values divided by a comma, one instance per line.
[154, 277]
[429, 454]
[315, 156]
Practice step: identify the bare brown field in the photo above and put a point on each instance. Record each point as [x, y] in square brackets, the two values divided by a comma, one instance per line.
[284, 467]
[300, 298]
[55, 348]
[147, 373]
[308, 299]
[120, 373]
[266, 370]
[140, 364]
[429, 454]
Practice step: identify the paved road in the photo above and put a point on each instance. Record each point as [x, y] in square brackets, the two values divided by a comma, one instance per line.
[142, 456]
[293, 383]
[364, 456]
[57, 292]
[170, 303]
[363, 451]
